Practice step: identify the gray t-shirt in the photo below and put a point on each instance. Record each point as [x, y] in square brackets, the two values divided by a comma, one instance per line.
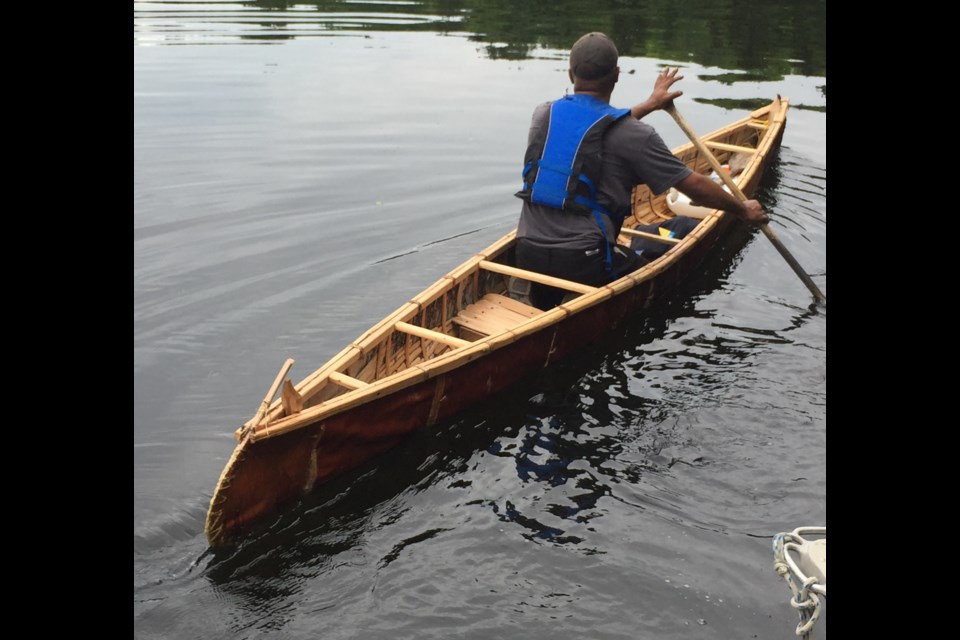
[633, 153]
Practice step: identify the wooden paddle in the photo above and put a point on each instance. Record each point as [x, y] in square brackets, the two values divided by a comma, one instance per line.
[735, 190]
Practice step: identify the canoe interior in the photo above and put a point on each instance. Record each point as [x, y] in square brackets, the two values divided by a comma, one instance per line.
[473, 311]
[384, 351]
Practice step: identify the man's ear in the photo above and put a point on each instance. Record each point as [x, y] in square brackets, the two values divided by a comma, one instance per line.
[570, 75]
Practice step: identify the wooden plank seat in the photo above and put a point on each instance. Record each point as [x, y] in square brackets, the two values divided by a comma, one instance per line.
[493, 313]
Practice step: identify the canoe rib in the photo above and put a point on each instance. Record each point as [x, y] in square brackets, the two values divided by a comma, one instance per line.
[463, 338]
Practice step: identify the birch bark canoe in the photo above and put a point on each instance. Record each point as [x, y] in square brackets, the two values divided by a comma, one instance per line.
[464, 338]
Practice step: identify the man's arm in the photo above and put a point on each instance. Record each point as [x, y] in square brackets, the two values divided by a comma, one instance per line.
[705, 192]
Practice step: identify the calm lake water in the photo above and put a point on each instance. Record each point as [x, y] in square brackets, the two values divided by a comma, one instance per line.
[302, 169]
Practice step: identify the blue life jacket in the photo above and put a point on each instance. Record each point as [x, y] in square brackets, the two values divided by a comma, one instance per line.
[561, 169]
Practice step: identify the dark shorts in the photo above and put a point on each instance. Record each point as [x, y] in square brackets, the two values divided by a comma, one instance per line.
[585, 267]
[590, 267]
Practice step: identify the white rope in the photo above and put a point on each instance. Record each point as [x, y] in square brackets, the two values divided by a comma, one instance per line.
[807, 591]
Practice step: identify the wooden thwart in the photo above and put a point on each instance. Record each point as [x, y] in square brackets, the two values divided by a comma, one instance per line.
[429, 334]
[723, 146]
[533, 276]
[344, 380]
[650, 236]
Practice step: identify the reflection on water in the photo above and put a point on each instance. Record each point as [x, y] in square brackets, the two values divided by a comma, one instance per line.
[768, 39]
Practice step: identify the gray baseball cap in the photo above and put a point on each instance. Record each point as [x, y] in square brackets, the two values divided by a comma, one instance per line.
[593, 56]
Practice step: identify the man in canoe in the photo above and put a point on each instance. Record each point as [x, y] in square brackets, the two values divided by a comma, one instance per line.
[572, 234]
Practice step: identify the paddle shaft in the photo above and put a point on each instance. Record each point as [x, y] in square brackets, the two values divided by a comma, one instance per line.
[735, 190]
